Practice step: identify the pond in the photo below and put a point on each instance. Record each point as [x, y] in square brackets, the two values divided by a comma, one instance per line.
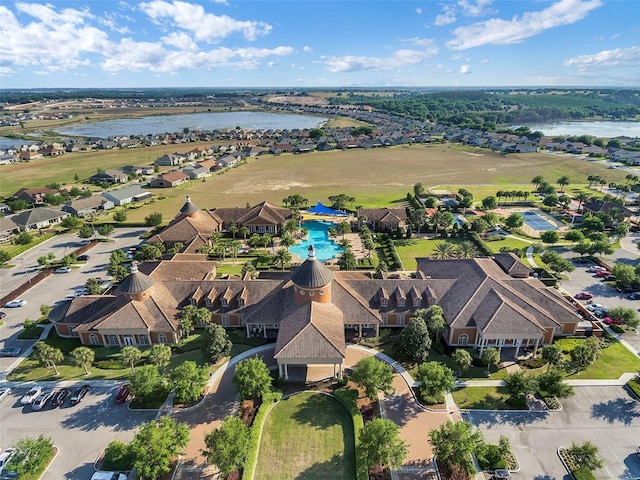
[193, 121]
[596, 129]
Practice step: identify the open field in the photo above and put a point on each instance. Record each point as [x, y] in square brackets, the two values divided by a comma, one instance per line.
[374, 177]
[308, 436]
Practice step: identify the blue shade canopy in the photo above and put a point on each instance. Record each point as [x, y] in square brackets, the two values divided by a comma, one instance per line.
[320, 209]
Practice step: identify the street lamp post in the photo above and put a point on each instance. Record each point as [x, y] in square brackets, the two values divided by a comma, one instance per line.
[26, 272]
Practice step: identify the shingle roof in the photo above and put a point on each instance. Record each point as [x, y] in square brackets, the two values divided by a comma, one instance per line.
[311, 330]
[312, 273]
[137, 281]
[37, 215]
[188, 208]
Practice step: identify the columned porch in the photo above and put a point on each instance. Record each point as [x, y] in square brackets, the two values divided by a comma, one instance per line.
[508, 341]
[316, 367]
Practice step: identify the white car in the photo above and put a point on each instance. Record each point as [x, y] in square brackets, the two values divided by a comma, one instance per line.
[595, 306]
[4, 392]
[31, 395]
[595, 268]
[5, 457]
[108, 476]
[71, 296]
[62, 270]
[16, 303]
[42, 399]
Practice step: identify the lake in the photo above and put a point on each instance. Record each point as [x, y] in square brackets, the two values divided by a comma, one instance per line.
[193, 121]
[596, 129]
[6, 142]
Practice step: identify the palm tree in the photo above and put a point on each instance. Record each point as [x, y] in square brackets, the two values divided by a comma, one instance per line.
[233, 229]
[234, 247]
[537, 180]
[499, 194]
[282, 256]
[581, 197]
[466, 249]
[563, 181]
[345, 243]
[287, 241]
[244, 231]
[347, 260]
[436, 219]
[444, 250]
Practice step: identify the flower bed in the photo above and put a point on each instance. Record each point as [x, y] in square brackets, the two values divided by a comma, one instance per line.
[578, 472]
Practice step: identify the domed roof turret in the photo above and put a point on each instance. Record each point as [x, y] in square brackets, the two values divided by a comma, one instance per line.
[189, 208]
[136, 282]
[312, 273]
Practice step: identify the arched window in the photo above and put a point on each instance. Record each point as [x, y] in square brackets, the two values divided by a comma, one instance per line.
[463, 339]
[162, 338]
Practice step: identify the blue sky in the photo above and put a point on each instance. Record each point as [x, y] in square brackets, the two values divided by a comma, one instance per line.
[304, 43]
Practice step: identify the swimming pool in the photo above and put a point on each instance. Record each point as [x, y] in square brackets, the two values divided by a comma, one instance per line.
[318, 237]
[537, 222]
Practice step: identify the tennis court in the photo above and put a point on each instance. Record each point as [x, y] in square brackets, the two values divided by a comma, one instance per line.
[536, 221]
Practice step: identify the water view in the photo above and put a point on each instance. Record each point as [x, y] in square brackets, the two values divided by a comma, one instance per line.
[597, 129]
[318, 237]
[193, 121]
[6, 142]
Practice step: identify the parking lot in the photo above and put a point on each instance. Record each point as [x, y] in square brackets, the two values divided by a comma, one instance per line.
[80, 432]
[606, 416]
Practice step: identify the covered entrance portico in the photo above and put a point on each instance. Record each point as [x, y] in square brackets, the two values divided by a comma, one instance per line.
[508, 341]
[314, 369]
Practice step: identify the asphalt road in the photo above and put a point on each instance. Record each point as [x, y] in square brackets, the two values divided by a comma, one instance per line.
[56, 286]
[606, 416]
[80, 432]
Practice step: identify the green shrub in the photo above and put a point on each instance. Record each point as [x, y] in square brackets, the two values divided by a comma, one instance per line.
[534, 362]
[117, 456]
[617, 328]
[348, 397]
[583, 473]
[634, 385]
[252, 457]
[110, 365]
[490, 457]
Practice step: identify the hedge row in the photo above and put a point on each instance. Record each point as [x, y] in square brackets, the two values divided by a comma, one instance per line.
[583, 473]
[634, 385]
[482, 248]
[256, 430]
[348, 398]
[390, 253]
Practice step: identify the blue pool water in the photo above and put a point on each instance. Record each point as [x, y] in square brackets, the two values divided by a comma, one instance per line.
[318, 237]
[536, 222]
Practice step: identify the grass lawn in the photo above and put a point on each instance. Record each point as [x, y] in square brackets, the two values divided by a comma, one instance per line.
[484, 398]
[411, 248]
[613, 362]
[508, 242]
[307, 436]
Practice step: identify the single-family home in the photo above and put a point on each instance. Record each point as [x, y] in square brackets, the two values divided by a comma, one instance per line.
[196, 172]
[109, 176]
[82, 207]
[125, 195]
[169, 179]
[34, 196]
[38, 218]
[170, 160]
[7, 228]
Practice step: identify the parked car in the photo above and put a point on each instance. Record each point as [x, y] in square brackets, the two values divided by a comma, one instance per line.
[60, 396]
[638, 452]
[602, 273]
[16, 303]
[31, 395]
[83, 258]
[10, 352]
[81, 291]
[601, 312]
[84, 242]
[62, 270]
[123, 393]
[634, 296]
[5, 457]
[501, 474]
[40, 402]
[2, 315]
[108, 476]
[612, 321]
[583, 296]
[595, 268]
[4, 392]
[79, 394]
[595, 306]
[609, 278]
[70, 296]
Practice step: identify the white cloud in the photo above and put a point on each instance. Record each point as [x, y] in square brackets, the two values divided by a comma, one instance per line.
[617, 58]
[419, 11]
[307, 49]
[204, 26]
[420, 42]
[505, 32]
[138, 56]
[54, 41]
[447, 16]
[182, 41]
[487, 60]
[400, 58]
[6, 71]
[465, 69]
[475, 9]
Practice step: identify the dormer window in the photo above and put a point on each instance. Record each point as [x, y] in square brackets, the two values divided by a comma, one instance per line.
[241, 302]
[401, 302]
[224, 302]
[193, 302]
[208, 302]
[383, 302]
[416, 303]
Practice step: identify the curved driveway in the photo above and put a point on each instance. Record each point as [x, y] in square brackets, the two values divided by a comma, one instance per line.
[400, 406]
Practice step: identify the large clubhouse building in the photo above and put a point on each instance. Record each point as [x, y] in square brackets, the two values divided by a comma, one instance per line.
[312, 311]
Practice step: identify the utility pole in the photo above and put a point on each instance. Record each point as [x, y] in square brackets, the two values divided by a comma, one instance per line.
[26, 272]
